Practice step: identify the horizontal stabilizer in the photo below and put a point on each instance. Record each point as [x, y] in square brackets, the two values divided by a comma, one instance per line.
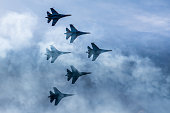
[51, 99]
[49, 20]
[69, 74]
[69, 77]
[68, 71]
[48, 53]
[89, 48]
[68, 33]
[89, 52]
[51, 93]
[48, 13]
[67, 30]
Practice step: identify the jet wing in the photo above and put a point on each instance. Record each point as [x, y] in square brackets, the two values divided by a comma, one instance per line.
[73, 29]
[73, 69]
[73, 37]
[74, 79]
[94, 46]
[53, 48]
[95, 56]
[53, 11]
[53, 58]
[57, 101]
[56, 91]
[54, 22]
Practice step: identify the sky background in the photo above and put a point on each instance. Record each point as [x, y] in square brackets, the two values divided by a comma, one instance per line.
[133, 78]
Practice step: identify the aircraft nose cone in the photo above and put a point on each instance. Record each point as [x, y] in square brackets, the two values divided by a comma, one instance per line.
[68, 52]
[87, 32]
[66, 95]
[86, 73]
[67, 15]
[107, 50]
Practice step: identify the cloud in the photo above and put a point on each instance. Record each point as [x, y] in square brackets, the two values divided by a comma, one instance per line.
[115, 77]
[16, 31]
[126, 80]
[149, 23]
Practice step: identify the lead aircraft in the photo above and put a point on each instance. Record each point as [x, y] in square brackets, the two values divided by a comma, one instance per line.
[55, 16]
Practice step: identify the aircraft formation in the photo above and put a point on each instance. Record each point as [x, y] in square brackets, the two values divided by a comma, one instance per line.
[74, 74]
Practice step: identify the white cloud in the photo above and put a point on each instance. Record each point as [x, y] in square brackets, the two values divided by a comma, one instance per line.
[16, 30]
[148, 23]
[137, 76]
[154, 20]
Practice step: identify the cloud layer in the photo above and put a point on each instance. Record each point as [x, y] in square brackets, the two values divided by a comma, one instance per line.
[16, 31]
[133, 78]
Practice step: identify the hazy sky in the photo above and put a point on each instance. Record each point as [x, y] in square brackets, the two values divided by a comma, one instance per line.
[133, 78]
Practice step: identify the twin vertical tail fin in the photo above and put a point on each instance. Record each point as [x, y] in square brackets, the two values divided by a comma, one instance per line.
[89, 52]
[51, 97]
[48, 53]
[69, 74]
[48, 14]
[68, 33]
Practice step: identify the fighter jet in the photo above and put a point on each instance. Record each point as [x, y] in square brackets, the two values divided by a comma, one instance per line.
[57, 96]
[75, 74]
[74, 33]
[54, 53]
[95, 51]
[55, 16]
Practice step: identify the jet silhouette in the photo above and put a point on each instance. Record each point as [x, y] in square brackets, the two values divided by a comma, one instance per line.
[75, 74]
[55, 16]
[95, 51]
[74, 33]
[54, 53]
[57, 96]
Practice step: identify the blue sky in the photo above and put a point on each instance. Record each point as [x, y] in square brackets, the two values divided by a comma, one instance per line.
[133, 78]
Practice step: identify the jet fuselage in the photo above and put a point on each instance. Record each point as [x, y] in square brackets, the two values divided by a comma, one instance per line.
[58, 16]
[99, 51]
[78, 33]
[57, 53]
[59, 96]
[76, 74]
[54, 96]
